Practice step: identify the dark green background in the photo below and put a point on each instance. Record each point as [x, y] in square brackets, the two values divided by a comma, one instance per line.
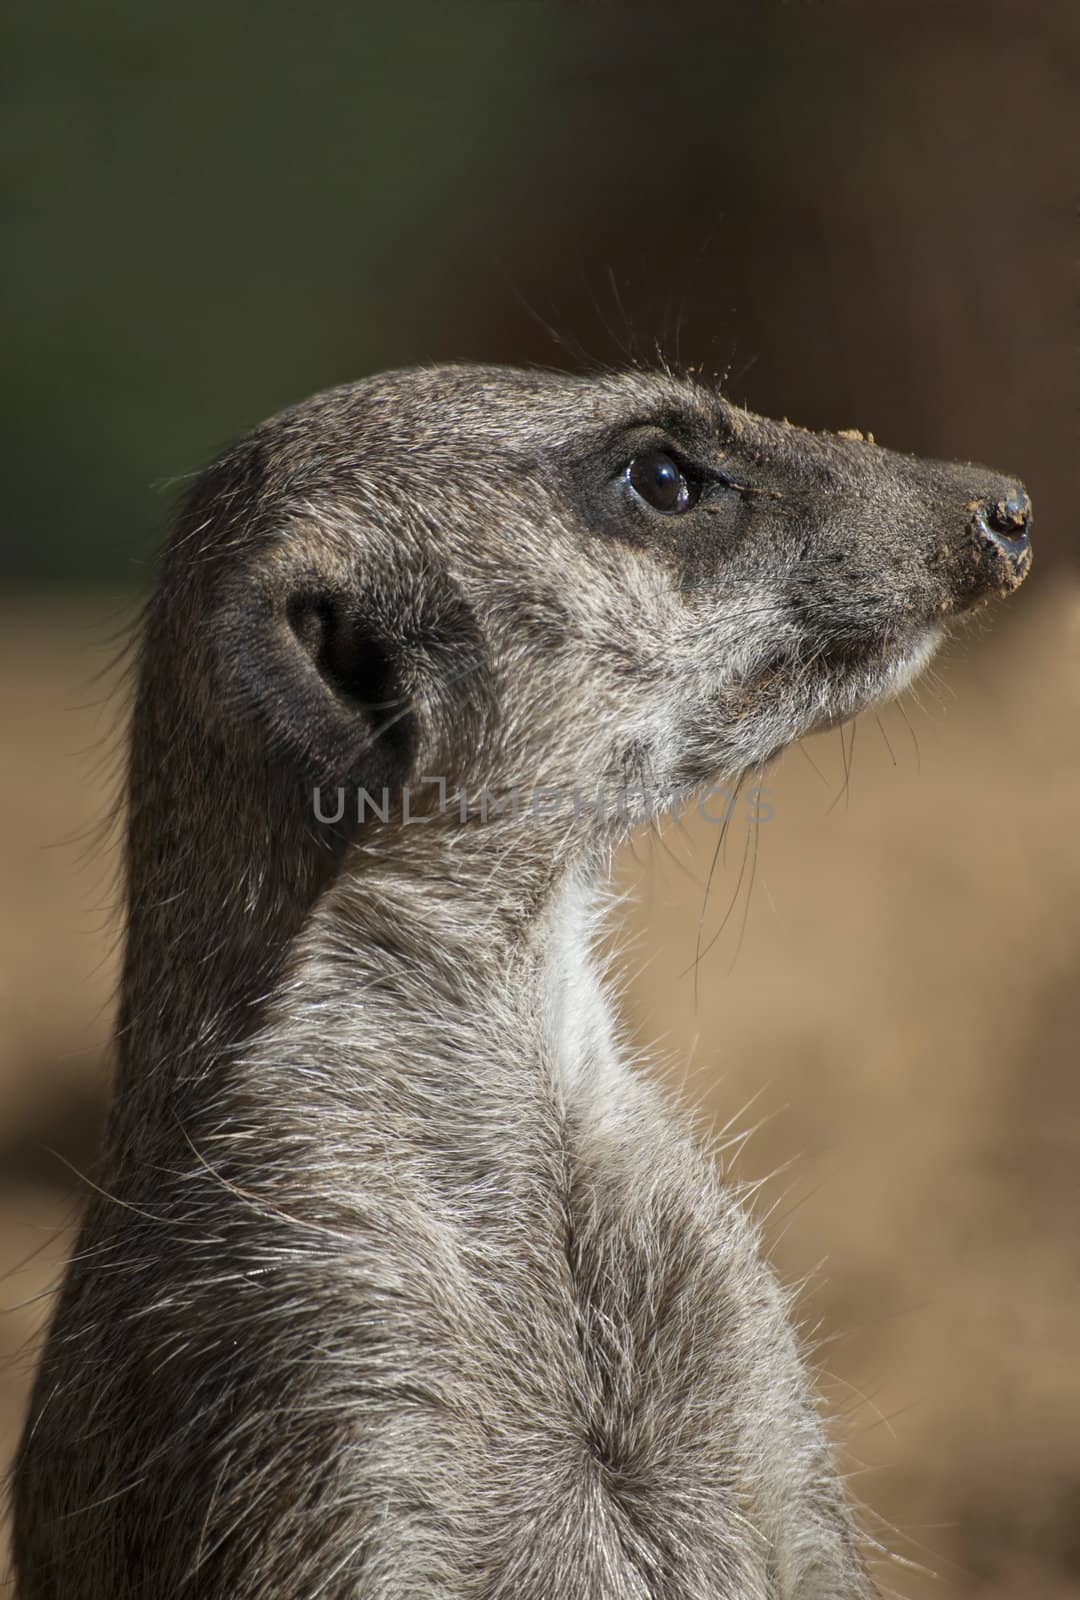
[859, 214]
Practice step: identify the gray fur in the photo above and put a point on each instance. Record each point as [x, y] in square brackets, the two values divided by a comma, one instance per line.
[402, 1281]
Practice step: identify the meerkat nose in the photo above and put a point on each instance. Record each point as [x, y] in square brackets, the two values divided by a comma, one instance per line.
[1002, 529]
[1010, 519]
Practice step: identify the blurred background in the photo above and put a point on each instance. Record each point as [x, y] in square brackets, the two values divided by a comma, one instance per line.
[853, 216]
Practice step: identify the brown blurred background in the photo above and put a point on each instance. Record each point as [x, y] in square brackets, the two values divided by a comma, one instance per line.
[857, 216]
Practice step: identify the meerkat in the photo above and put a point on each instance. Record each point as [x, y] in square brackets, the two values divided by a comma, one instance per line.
[400, 1279]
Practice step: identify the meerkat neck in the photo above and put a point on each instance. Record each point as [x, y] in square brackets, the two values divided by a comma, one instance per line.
[413, 940]
[422, 1024]
[454, 916]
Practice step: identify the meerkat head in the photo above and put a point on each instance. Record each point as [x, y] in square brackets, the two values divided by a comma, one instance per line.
[501, 579]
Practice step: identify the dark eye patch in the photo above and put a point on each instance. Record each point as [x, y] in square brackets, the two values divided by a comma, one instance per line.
[656, 482]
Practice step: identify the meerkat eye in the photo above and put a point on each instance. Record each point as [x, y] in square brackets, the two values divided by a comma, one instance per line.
[661, 483]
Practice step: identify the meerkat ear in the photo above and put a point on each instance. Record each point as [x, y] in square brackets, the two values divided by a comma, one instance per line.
[326, 682]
